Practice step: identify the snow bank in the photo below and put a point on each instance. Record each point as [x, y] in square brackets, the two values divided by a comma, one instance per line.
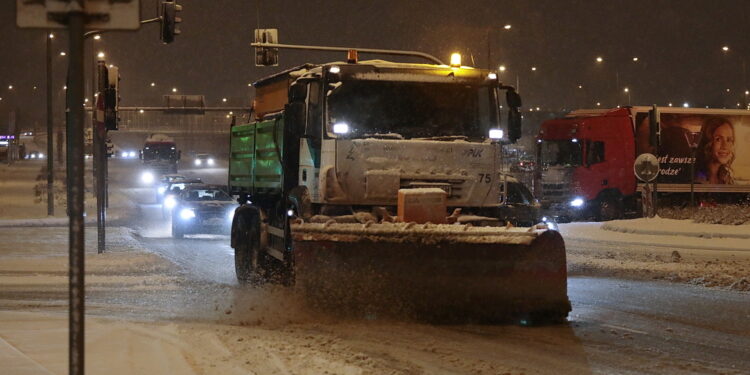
[672, 227]
[663, 254]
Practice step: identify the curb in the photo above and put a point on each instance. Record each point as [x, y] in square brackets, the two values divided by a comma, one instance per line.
[708, 235]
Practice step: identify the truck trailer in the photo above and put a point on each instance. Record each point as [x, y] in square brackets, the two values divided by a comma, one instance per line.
[585, 160]
[336, 150]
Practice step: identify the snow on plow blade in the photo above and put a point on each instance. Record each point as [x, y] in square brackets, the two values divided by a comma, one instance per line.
[434, 272]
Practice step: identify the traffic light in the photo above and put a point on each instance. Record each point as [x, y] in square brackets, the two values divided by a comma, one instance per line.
[168, 13]
[112, 98]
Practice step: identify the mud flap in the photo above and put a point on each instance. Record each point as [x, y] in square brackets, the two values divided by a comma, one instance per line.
[433, 272]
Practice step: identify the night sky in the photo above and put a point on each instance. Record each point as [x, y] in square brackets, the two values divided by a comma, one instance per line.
[678, 45]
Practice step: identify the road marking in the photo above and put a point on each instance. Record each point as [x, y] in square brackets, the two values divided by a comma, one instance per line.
[624, 329]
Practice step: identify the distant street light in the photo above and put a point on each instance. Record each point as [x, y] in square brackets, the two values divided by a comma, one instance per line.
[598, 104]
[51, 36]
[174, 89]
[501, 68]
[599, 59]
[725, 48]
[62, 53]
[507, 27]
[686, 104]
[533, 69]
[223, 100]
[97, 37]
[635, 59]
[153, 84]
[10, 87]
[100, 55]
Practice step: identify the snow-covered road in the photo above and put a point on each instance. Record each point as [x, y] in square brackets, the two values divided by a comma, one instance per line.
[160, 305]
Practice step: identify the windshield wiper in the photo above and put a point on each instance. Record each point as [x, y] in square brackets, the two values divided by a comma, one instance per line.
[384, 135]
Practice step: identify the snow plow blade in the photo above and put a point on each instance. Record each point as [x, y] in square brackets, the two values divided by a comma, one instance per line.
[434, 272]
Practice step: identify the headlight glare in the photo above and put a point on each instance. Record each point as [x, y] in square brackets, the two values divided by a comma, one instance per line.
[147, 177]
[577, 202]
[187, 214]
[170, 202]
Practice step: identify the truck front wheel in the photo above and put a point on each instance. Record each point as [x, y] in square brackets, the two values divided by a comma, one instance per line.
[610, 208]
[247, 255]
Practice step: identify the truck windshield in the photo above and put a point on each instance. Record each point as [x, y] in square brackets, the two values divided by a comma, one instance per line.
[159, 151]
[412, 109]
[564, 153]
[207, 195]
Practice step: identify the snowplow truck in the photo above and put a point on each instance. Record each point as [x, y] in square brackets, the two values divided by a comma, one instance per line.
[160, 154]
[377, 186]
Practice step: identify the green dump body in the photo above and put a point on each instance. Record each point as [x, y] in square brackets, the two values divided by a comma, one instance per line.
[255, 156]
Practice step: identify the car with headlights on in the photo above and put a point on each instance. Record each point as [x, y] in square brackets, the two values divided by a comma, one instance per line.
[204, 161]
[172, 190]
[163, 185]
[202, 209]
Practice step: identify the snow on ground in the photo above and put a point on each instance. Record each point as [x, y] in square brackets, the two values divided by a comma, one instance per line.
[661, 249]
[23, 201]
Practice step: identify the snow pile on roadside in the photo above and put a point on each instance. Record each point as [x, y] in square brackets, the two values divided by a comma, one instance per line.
[711, 262]
[721, 214]
[672, 227]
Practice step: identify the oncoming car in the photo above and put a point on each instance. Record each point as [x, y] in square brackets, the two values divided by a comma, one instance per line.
[163, 184]
[203, 161]
[172, 190]
[202, 209]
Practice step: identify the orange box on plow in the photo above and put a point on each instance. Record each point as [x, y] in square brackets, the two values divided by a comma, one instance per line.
[422, 205]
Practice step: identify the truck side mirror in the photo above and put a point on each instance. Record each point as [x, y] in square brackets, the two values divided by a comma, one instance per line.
[512, 98]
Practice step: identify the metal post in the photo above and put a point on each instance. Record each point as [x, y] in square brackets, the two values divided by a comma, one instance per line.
[100, 156]
[692, 179]
[75, 166]
[50, 133]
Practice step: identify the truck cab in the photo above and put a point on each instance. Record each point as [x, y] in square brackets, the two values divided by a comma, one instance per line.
[344, 138]
[585, 164]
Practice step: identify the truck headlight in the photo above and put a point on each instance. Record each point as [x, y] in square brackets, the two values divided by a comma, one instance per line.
[161, 190]
[124, 154]
[187, 214]
[341, 128]
[147, 177]
[210, 161]
[170, 202]
[197, 162]
[496, 133]
[131, 154]
[577, 202]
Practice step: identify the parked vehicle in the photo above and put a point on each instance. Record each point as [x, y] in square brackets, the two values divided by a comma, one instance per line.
[585, 167]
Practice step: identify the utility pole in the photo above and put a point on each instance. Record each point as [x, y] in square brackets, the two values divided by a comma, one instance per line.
[50, 132]
[74, 109]
[100, 153]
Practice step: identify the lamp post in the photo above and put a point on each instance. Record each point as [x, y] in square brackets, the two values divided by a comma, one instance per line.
[627, 92]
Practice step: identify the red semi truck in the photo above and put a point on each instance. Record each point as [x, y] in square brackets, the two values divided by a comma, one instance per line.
[585, 159]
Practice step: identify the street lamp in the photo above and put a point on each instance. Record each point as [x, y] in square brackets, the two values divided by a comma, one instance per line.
[635, 59]
[725, 48]
[627, 92]
[599, 59]
[174, 89]
[153, 84]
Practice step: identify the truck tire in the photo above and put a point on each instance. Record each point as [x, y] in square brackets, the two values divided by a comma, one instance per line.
[248, 259]
[610, 208]
[177, 230]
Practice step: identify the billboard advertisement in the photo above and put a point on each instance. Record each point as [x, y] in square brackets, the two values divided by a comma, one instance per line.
[716, 145]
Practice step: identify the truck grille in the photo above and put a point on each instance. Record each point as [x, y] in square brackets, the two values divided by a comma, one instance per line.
[552, 191]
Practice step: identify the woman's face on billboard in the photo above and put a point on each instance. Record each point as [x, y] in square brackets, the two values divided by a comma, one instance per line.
[722, 147]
